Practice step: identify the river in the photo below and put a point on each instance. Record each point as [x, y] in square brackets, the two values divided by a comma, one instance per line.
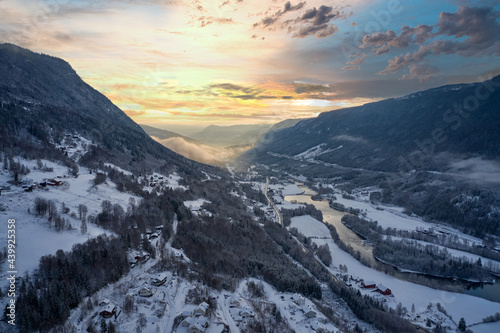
[331, 216]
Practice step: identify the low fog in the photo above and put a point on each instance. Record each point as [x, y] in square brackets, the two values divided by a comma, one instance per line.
[478, 170]
[203, 153]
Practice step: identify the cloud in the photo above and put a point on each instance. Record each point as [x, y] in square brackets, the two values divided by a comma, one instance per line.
[210, 19]
[471, 31]
[313, 22]
[239, 92]
[317, 21]
[301, 88]
[408, 35]
[477, 170]
[351, 67]
[203, 153]
[422, 72]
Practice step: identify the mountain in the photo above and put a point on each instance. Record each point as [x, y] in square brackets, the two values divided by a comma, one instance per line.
[424, 130]
[235, 135]
[165, 134]
[43, 99]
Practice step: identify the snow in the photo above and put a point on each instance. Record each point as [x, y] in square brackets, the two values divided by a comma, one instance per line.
[287, 189]
[117, 168]
[288, 205]
[457, 305]
[486, 328]
[310, 227]
[392, 217]
[195, 204]
[460, 254]
[171, 181]
[33, 235]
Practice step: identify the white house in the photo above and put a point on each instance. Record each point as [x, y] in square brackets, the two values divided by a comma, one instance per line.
[146, 292]
[298, 299]
[308, 311]
[201, 309]
[161, 279]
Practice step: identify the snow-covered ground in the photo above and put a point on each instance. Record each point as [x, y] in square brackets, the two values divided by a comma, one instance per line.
[486, 328]
[157, 180]
[117, 168]
[34, 236]
[392, 217]
[195, 205]
[310, 227]
[288, 205]
[457, 305]
[495, 265]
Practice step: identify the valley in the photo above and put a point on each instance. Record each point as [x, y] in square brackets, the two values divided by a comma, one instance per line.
[315, 227]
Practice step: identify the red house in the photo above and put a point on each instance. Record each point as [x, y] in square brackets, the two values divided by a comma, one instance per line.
[368, 284]
[383, 290]
[108, 311]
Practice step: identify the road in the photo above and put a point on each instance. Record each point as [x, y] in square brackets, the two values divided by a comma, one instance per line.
[273, 206]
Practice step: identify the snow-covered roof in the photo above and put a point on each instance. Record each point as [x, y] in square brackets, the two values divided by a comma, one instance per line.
[382, 287]
[369, 283]
[109, 308]
[104, 302]
[307, 308]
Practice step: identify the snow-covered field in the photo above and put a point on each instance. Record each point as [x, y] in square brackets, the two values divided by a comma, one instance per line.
[408, 294]
[392, 217]
[34, 236]
[495, 265]
[195, 205]
[310, 227]
[288, 205]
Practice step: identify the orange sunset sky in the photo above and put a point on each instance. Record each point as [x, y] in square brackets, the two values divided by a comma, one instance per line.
[260, 61]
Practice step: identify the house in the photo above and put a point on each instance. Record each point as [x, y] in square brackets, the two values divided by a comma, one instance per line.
[196, 328]
[188, 321]
[201, 309]
[27, 182]
[308, 311]
[53, 182]
[234, 302]
[104, 302]
[298, 299]
[204, 322]
[141, 258]
[195, 325]
[108, 311]
[187, 313]
[246, 313]
[368, 284]
[316, 326]
[146, 292]
[383, 290]
[160, 280]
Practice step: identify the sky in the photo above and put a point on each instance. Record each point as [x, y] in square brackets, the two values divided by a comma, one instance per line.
[195, 62]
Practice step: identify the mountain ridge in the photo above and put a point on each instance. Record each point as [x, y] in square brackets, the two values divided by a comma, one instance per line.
[42, 97]
[398, 133]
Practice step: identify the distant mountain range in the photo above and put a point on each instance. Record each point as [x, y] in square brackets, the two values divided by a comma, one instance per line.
[165, 134]
[42, 99]
[424, 130]
[215, 145]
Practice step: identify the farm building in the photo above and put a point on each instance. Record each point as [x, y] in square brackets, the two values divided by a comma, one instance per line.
[383, 290]
[108, 311]
[368, 284]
